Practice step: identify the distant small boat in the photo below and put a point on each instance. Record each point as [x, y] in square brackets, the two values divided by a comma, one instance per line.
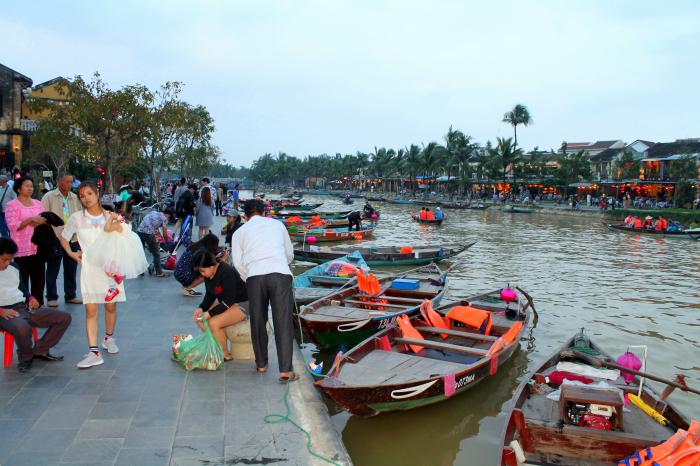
[331, 234]
[426, 202]
[347, 201]
[375, 199]
[325, 215]
[463, 205]
[517, 210]
[400, 201]
[683, 234]
[424, 220]
[316, 283]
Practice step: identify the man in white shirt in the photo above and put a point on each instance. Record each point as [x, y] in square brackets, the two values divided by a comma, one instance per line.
[261, 252]
[6, 195]
[19, 312]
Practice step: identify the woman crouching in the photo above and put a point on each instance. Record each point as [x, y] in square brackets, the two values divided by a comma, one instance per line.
[224, 299]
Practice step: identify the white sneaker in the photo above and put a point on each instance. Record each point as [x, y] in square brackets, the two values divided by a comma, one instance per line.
[91, 359]
[110, 344]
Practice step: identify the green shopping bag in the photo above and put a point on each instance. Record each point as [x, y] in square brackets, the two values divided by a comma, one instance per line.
[200, 352]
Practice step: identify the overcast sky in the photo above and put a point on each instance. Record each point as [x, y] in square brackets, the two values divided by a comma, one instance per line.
[311, 77]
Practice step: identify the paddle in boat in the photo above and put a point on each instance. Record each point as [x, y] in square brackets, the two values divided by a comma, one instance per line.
[431, 356]
[574, 411]
[348, 316]
[383, 255]
[681, 234]
[323, 279]
[330, 234]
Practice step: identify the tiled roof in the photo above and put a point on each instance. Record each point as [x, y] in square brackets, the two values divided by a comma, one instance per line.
[15, 75]
[605, 156]
[663, 150]
[599, 145]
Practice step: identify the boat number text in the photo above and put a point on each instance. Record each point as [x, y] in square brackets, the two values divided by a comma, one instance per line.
[466, 380]
[385, 323]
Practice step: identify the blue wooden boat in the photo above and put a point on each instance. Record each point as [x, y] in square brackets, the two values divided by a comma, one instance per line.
[316, 283]
[400, 201]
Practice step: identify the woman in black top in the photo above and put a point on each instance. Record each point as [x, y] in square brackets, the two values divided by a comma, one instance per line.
[224, 289]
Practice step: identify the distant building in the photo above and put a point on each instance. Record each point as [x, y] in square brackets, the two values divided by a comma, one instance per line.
[659, 157]
[591, 148]
[50, 92]
[13, 136]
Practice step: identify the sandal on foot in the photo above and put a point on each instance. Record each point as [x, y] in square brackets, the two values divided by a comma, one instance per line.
[228, 358]
[261, 370]
[289, 378]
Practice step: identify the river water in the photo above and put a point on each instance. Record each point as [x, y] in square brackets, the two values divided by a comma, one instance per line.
[624, 289]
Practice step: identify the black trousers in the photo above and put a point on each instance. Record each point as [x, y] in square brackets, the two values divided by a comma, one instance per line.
[217, 206]
[70, 269]
[149, 241]
[276, 290]
[354, 222]
[33, 273]
[21, 328]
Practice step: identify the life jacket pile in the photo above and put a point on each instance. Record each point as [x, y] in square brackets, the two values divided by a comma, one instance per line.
[681, 449]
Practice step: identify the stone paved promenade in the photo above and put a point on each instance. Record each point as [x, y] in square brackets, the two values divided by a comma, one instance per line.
[142, 409]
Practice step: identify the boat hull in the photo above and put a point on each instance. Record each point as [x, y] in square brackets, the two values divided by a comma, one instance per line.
[695, 235]
[322, 236]
[380, 259]
[427, 222]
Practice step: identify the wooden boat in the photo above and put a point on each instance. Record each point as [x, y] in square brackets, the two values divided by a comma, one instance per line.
[384, 374]
[324, 215]
[683, 234]
[316, 283]
[331, 234]
[517, 210]
[383, 255]
[347, 201]
[426, 203]
[305, 223]
[346, 317]
[548, 432]
[375, 199]
[400, 201]
[423, 220]
[302, 206]
[463, 205]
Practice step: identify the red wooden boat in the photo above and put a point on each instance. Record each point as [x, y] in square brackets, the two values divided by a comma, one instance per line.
[541, 431]
[684, 234]
[423, 220]
[391, 371]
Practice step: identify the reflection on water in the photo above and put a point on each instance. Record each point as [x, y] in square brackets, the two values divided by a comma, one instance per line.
[624, 289]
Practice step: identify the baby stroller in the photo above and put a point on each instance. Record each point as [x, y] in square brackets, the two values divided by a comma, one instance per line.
[169, 248]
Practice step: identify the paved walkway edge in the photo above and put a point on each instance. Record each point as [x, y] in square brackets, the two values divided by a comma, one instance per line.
[309, 411]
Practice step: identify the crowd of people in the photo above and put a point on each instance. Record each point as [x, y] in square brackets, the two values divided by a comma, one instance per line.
[67, 229]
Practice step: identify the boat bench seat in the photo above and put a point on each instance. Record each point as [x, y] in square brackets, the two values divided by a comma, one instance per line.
[325, 280]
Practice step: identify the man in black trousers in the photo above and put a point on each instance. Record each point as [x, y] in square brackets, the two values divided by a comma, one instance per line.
[261, 252]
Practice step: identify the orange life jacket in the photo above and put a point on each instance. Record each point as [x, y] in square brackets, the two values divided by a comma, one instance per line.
[432, 317]
[637, 223]
[430, 215]
[422, 215]
[406, 250]
[505, 339]
[470, 316]
[409, 331]
[316, 221]
[661, 224]
[681, 449]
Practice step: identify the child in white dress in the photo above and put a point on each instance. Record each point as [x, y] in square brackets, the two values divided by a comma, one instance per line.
[120, 255]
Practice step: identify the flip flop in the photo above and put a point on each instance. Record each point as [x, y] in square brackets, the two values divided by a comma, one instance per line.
[261, 370]
[227, 359]
[289, 378]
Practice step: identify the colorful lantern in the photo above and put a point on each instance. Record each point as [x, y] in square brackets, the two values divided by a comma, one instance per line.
[508, 295]
[631, 361]
[311, 240]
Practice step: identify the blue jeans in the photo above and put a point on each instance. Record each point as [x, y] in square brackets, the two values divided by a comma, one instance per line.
[4, 231]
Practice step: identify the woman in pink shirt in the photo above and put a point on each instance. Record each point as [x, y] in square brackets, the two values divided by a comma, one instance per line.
[22, 216]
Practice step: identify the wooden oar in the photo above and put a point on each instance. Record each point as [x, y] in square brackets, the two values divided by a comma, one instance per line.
[601, 362]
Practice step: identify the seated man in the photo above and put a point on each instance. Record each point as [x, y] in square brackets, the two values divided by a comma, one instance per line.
[19, 312]
[439, 215]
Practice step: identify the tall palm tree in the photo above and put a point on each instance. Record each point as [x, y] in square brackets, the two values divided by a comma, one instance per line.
[412, 163]
[507, 156]
[520, 115]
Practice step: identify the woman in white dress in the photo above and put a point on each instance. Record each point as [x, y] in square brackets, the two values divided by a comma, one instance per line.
[94, 282]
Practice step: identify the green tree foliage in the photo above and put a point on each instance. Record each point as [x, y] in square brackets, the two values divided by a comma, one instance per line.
[573, 168]
[519, 115]
[627, 167]
[685, 168]
[506, 156]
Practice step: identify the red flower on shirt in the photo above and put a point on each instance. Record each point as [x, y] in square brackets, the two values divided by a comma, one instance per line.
[218, 289]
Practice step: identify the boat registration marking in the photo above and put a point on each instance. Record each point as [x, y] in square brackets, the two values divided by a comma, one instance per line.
[466, 380]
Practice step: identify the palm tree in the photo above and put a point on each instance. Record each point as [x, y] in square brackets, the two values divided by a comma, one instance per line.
[520, 115]
[507, 156]
[411, 163]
